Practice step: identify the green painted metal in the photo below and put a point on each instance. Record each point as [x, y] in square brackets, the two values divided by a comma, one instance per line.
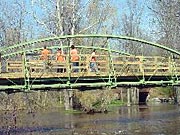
[101, 84]
[112, 78]
[111, 66]
[69, 71]
[56, 47]
[90, 36]
[26, 73]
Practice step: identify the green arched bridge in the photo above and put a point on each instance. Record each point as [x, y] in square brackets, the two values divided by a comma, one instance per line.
[22, 69]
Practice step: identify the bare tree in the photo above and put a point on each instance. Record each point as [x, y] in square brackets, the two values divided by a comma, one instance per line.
[62, 17]
[166, 17]
[98, 17]
[57, 17]
[12, 21]
[2, 33]
[131, 25]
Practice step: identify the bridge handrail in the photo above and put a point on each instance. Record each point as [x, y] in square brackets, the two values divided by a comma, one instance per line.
[128, 64]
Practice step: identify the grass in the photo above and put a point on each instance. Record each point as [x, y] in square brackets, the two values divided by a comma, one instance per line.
[116, 103]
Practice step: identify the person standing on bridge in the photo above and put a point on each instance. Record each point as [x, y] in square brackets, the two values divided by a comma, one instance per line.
[93, 64]
[45, 56]
[74, 58]
[60, 58]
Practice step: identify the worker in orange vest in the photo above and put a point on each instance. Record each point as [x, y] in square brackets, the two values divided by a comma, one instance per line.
[45, 56]
[74, 58]
[60, 58]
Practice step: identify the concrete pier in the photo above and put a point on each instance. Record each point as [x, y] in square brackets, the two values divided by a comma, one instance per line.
[176, 94]
[132, 96]
[68, 99]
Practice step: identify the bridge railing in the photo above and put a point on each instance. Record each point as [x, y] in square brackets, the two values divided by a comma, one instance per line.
[122, 65]
[14, 66]
[142, 65]
[37, 67]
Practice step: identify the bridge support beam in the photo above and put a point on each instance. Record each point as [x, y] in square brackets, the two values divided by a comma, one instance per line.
[132, 96]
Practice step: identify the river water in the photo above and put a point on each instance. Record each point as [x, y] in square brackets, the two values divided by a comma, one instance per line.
[151, 119]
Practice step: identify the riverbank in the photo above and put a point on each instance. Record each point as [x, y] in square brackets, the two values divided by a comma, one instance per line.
[86, 101]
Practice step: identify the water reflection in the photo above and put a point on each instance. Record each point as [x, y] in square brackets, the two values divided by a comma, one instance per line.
[162, 119]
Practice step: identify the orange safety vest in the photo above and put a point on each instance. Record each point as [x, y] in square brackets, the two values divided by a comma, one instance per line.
[74, 55]
[45, 54]
[60, 57]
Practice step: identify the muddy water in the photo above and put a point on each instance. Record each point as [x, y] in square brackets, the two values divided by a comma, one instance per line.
[154, 119]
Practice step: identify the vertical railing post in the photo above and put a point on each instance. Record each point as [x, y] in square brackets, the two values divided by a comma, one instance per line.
[141, 61]
[174, 71]
[68, 63]
[170, 66]
[26, 72]
[0, 63]
[87, 64]
[156, 64]
[6, 66]
[79, 67]
[111, 67]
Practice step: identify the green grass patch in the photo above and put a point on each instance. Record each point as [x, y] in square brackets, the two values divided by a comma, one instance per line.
[116, 103]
